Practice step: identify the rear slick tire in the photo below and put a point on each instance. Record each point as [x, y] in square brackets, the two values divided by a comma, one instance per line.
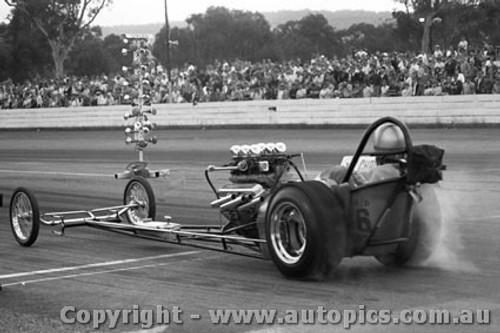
[305, 233]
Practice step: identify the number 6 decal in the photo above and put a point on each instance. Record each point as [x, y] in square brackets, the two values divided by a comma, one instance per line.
[363, 219]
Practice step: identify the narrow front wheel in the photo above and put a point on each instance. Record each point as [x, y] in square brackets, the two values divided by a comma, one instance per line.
[24, 216]
[140, 195]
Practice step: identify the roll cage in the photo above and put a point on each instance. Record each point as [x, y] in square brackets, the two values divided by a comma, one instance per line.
[360, 151]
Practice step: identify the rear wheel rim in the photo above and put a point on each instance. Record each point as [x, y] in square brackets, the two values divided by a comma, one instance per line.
[138, 195]
[288, 232]
[22, 216]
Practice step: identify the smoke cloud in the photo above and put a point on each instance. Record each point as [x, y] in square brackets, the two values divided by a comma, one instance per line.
[450, 252]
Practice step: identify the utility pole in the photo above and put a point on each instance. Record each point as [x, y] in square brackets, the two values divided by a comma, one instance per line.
[167, 42]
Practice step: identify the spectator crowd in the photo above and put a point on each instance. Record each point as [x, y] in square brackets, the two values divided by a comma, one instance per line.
[444, 72]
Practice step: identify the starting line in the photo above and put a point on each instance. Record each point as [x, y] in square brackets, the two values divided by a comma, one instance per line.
[62, 277]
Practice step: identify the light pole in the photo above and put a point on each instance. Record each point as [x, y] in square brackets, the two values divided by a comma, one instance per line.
[167, 42]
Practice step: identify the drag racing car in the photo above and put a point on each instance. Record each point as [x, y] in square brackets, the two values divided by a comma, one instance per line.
[271, 211]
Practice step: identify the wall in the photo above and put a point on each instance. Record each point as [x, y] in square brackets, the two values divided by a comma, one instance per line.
[428, 111]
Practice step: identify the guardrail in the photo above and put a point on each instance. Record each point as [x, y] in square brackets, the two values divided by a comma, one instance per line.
[430, 111]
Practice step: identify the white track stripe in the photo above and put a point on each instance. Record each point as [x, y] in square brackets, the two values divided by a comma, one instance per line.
[62, 277]
[490, 217]
[57, 173]
[101, 264]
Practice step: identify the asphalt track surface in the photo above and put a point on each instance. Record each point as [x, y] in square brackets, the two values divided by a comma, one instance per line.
[92, 269]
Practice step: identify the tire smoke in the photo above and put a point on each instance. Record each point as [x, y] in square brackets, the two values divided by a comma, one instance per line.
[449, 252]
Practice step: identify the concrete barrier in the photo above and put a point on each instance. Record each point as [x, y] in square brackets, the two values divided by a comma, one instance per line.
[467, 110]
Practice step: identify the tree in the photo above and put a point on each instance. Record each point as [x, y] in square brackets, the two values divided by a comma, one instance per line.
[431, 13]
[408, 31]
[184, 50]
[5, 54]
[113, 45]
[61, 22]
[228, 34]
[364, 36]
[425, 11]
[29, 51]
[305, 38]
[88, 56]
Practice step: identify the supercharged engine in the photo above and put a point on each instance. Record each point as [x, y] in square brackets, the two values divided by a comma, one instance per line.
[239, 204]
[254, 171]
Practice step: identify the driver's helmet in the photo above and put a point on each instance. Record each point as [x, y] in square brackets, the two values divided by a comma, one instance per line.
[388, 138]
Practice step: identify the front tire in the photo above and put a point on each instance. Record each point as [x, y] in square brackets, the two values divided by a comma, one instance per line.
[139, 191]
[24, 216]
[305, 232]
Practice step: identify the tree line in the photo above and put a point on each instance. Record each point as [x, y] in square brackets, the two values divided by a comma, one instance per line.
[44, 40]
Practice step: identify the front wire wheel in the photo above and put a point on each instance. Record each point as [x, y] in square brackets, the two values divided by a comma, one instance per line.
[139, 192]
[24, 216]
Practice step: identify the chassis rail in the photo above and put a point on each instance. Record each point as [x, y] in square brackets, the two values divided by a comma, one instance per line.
[167, 232]
[113, 212]
[204, 239]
